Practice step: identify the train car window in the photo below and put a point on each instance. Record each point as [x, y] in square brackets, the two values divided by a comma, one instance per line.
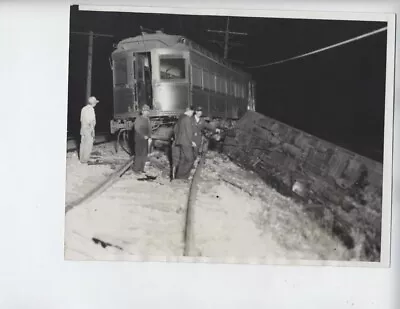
[220, 84]
[225, 86]
[172, 68]
[213, 82]
[234, 87]
[231, 88]
[120, 72]
[206, 79]
[197, 78]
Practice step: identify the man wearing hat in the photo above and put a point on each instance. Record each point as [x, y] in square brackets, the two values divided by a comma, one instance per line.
[143, 131]
[199, 125]
[88, 123]
[184, 141]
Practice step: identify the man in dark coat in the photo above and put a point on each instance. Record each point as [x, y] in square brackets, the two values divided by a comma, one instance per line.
[199, 125]
[175, 153]
[184, 140]
[142, 128]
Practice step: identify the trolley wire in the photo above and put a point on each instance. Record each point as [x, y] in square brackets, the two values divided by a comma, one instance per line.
[320, 50]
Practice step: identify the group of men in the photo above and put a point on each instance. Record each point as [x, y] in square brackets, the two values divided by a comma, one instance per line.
[186, 143]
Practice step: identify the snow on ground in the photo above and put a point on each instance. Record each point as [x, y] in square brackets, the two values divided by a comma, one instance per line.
[72, 143]
[81, 178]
[143, 218]
[235, 215]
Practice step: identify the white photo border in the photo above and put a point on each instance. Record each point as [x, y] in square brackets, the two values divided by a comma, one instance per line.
[390, 18]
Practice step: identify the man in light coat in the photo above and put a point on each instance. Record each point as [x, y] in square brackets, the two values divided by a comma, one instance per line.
[88, 124]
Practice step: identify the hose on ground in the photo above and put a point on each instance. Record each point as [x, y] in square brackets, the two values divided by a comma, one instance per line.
[124, 140]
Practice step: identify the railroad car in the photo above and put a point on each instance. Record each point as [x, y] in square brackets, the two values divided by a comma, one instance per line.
[169, 73]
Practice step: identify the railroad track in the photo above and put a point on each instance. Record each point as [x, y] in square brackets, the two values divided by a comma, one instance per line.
[107, 191]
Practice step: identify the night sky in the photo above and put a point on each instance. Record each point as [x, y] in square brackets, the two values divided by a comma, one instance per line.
[337, 95]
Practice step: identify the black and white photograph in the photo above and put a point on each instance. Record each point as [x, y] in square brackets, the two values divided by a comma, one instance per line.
[229, 139]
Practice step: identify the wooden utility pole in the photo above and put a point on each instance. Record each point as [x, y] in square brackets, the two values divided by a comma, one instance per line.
[89, 67]
[226, 41]
[92, 36]
[226, 34]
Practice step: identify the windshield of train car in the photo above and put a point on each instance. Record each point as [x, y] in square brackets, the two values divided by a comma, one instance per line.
[172, 67]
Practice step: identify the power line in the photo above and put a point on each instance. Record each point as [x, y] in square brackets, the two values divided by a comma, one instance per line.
[226, 34]
[94, 34]
[320, 50]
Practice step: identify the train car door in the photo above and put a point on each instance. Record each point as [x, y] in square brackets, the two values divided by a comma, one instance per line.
[123, 92]
[140, 97]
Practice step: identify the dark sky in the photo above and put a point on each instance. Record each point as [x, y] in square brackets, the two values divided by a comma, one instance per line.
[337, 95]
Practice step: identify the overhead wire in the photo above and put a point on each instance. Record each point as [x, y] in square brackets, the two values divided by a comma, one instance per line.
[320, 49]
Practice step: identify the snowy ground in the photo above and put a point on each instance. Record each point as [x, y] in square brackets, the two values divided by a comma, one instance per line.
[235, 216]
[72, 144]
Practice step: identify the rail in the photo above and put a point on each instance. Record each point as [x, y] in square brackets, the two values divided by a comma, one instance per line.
[102, 186]
[114, 177]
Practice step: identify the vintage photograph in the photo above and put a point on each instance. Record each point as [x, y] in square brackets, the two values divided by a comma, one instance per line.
[225, 138]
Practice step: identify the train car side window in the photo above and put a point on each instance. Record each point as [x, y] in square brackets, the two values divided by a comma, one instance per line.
[206, 79]
[214, 82]
[220, 84]
[224, 86]
[241, 91]
[172, 68]
[231, 89]
[196, 76]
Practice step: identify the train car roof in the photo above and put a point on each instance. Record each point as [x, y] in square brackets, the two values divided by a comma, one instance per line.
[148, 41]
